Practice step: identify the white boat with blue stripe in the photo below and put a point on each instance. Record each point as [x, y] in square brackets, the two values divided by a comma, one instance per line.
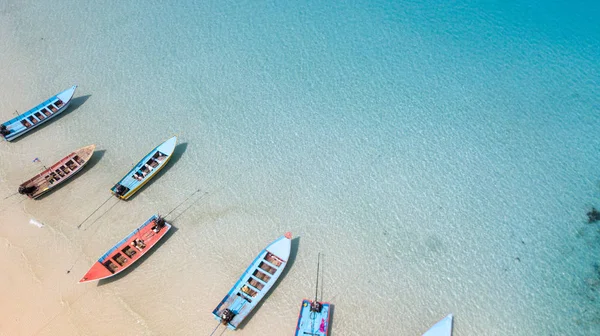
[148, 167]
[38, 115]
[256, 281]
[442, 328]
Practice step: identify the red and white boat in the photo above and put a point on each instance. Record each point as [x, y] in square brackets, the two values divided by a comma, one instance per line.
[129, 250]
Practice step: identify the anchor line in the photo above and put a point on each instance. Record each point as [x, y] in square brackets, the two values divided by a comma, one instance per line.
[189, 206]
[79, 256]
[185, 200]
[88, 217]
[223, 186]
[104, 213]
[214, 330]
[11, 195]
[317, 286]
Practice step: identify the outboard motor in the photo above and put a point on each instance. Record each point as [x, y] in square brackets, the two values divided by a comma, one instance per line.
[27, 190]
[160, 222]
[226, 316]
[4, 130]
[119, 190]
[316, 306]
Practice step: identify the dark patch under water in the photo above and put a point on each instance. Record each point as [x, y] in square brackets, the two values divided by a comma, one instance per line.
[593, 216]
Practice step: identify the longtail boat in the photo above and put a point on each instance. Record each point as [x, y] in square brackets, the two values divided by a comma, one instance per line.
[129, 250]
[148, 167]
[442, 328]
[254, 283]
[38, 115]
[313, 318]
[57, 174]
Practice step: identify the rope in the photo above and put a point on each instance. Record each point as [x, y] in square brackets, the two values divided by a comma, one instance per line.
[78, 226]
[194, 193]
[217, 327]
[104, 213]
[11, 195]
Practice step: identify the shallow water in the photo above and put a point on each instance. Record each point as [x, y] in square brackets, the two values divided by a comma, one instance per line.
[441, 156]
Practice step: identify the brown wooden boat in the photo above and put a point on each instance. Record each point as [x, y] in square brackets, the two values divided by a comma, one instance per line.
[57, 173]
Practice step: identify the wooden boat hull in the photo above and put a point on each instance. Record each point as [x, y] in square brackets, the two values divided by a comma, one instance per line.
[58, 173]
[37, 116]
[144, 170]
[254, 283]
[313, 323]
[442, 328]
[125, 253]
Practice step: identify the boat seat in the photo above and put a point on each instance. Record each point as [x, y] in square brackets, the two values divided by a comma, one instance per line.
[261, 273]
[245, 296]
[252, 286]
[259, 280]
[128, 251]
[265, 267]
[270, 264]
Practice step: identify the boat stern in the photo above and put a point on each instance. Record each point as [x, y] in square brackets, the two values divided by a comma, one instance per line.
[221, 312]
[121, 192]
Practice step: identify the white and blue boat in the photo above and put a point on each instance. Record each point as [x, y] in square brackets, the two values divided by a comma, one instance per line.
[256, 281]
[38, 115]
[313, 318]
[148, 167]
[442, 328]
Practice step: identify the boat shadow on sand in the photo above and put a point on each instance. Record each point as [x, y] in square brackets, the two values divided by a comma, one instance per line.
[131, 268]
[331, 310]
[75, 104]
[96, 156]
[293, 253]
[177, 153]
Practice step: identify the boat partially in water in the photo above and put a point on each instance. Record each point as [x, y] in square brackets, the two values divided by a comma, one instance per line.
[442, 328]
[129, 250]
[147, 168]
[254, 283]
[313, 318]
[57, 174]
[38, 115]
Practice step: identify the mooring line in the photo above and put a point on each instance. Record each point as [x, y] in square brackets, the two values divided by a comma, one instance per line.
[88, 217]
[104, 213]
[178, 205]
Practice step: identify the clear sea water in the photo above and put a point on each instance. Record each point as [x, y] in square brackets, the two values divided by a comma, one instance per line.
[442, 155]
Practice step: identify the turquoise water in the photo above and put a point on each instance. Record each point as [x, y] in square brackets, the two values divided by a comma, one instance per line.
[441, 155]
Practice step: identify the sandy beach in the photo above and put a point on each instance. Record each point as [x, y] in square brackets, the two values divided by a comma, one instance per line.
[442, 159]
